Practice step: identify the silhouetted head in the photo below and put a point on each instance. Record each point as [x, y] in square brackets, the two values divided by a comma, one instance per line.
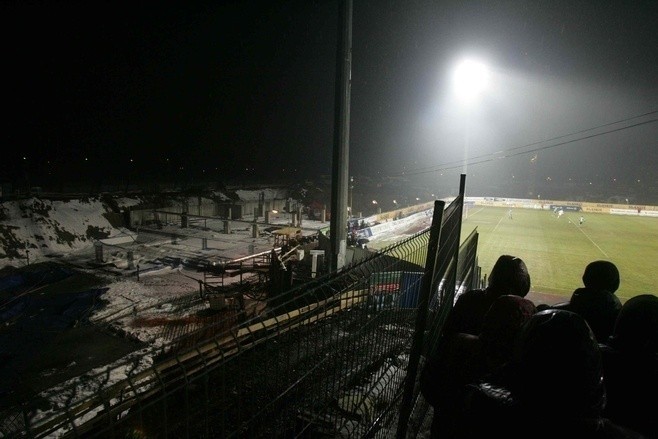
[509, 276]
[559, 365]
[636, 328]
[601, 275]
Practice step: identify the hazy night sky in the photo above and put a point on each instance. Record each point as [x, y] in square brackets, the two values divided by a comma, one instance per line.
[222, 87]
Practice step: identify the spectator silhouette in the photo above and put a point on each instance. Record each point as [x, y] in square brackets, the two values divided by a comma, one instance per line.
[596, 302]
[455, 353]
[552, 387]
[630, 364]
[465, 358]
[601, 275]
[509, 275]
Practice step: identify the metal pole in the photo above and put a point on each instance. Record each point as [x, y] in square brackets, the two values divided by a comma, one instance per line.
[351, 196]
[425, 294]
[340, 162]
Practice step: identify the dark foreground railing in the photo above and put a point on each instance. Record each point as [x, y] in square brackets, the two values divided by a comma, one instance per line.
[338, 357]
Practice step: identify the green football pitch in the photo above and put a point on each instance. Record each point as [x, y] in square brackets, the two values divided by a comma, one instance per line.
[557, 250]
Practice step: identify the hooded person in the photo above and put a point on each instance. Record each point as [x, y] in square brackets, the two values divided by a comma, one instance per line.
[559, 347]
[599, 308]
[466, 359]
[596, 302]
[636, 328]
[630, 362]
[552, 387]
[601, 275]
[509, 275]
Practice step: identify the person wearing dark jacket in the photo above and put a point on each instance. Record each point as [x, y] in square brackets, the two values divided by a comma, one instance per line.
[552, 387]
[630, 365]
[509, 275]
[598, 307]
[456, 358]
[465, 359]
[597, 302]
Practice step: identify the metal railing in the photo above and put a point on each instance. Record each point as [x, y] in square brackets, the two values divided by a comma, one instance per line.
[337, 357]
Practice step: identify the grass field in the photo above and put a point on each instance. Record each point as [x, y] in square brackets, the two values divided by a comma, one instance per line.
[556, 250]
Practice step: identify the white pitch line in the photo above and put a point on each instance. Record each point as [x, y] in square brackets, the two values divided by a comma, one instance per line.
[590, 239]
[479, 210]
[498, 223]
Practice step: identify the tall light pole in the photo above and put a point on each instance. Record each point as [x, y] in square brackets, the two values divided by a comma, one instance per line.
[351, 208]
[470, 79]
[340, 159]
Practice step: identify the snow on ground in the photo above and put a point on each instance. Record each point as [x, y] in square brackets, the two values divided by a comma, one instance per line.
[269, 194]
[148, 286]
[47, 228]
[81, 388]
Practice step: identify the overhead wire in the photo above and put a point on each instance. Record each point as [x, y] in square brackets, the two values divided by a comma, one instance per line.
[501, 154]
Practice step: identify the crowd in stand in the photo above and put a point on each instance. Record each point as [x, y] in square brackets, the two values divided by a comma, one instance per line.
[585, 368]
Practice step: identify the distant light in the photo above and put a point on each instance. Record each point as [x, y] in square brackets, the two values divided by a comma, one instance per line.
[275, 211]
[374, 201]
[471, 77]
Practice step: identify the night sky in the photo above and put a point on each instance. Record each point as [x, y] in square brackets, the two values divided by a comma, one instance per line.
[103, 91]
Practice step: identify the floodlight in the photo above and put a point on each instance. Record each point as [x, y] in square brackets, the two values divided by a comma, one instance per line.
[471, 77]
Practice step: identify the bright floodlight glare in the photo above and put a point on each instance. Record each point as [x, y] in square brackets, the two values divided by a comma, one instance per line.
[470, 79]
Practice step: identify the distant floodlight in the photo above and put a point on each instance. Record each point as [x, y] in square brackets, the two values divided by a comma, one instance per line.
[470, 79]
